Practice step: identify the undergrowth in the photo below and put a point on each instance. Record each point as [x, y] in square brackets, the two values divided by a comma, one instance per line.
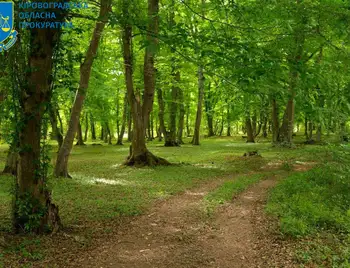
[315, 205]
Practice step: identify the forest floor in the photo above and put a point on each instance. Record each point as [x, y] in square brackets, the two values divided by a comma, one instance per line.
[179, 233]
[206, 211]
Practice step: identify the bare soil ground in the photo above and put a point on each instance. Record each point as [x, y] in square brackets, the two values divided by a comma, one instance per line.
[178, 233]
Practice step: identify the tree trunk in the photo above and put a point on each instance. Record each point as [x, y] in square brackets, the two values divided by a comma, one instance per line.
[170, 141]
[161, 109]
[108, 134]
[86, 127]
[254, 123]
[80, 141]
[181, 116]
[286, 131]
[125, 113]
[275, 122]
[197, 127]
[250, 133]
[61, 169]
[306, 132]
[343, 134]
[222, 124]
[53, 120]
[258, 130]
[311, 128]
[228, 121]
[129, 125]
[319, 133]
[11, 160]
[105, 133]
[117, 115]
[102, 134]
[93, 130]
[209, 111]
[188, 131]
[264, 127]
[139, 154]
[40, 214]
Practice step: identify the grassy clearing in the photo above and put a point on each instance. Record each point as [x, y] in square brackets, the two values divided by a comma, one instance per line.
[315, 205]
[228, 190]
[102, 191]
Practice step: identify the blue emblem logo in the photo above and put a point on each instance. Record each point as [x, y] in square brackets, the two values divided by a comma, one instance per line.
[8, 36]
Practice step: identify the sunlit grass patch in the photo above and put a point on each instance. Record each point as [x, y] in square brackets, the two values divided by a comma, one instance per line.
[229, 189]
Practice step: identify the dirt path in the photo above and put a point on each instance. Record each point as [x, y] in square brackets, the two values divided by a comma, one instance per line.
[176, 233]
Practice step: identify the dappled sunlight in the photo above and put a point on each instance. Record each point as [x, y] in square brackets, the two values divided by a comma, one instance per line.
[97, 180]
[161, 194]
[211, 166]
[116, 165]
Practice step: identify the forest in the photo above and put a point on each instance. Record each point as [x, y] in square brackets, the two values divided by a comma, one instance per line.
[175, 133]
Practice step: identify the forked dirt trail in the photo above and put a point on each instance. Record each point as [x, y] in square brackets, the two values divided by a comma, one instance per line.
[176, 233]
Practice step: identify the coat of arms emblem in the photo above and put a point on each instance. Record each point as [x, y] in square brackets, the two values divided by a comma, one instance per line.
[8, 35]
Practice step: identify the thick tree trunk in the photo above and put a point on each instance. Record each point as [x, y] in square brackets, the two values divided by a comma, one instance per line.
[125, 114]
[197, 127]
[31, 191]
[250, 133]
[139, 154]
[61, 169]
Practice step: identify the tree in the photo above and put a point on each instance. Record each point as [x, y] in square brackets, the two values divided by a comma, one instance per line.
[33, 208]
[139, 154]
[61, 168]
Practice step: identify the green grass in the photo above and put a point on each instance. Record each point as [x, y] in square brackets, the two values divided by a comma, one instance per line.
[316, 205]
[227, 191]
[102, 191]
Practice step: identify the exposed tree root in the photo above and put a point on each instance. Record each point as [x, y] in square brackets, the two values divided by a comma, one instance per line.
[171, 144]
[146, 159]
[63, 174]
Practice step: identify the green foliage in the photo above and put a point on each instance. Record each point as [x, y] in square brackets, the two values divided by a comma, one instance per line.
[29, 211]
